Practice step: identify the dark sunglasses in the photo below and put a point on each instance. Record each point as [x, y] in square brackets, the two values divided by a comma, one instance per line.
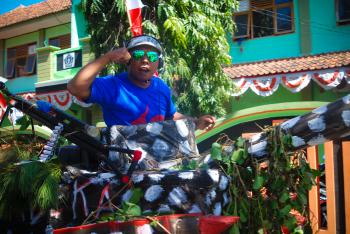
[138, 55]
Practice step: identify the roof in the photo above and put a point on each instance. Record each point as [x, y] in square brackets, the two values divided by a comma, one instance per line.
[289, 65]
[33, 11]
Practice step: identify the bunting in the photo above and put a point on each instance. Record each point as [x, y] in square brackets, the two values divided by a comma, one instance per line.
[294, 82]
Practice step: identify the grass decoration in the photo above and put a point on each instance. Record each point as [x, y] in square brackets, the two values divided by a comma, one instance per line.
[269, 195]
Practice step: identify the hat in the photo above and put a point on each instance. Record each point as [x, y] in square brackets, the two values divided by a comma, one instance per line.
[144, 40]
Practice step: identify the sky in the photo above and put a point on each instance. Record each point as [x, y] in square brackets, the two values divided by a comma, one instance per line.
[8, 5]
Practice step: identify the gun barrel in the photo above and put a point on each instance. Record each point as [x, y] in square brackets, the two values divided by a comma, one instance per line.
[74, 130]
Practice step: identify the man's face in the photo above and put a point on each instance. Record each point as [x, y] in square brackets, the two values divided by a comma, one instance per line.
[142, 65]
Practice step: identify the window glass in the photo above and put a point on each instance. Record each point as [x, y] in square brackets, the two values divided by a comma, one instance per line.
[11, 53]
[282, 1]
[55, 42]
[10, 68]
[263, 23]
[344, 10]
[241, 25]
[284, 19]
[31, 49]
[243, 5]
[30, 65]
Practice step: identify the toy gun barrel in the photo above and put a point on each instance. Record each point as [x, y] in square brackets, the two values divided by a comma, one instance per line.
[326, 123]
[74, 130]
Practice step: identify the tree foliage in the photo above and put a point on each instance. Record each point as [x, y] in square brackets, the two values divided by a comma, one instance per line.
[193, 34]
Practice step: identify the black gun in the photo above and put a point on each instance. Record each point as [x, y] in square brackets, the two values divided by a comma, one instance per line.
[74, 130]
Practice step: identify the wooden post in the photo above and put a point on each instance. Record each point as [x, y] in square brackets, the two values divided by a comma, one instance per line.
[314, 193]
[332, 184]
[346, 174]
[330, 187]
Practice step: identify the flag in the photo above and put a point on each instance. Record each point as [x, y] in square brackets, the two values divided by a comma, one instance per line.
[3, 105]
[134, 8]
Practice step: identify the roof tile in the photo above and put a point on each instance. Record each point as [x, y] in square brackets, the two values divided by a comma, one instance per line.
[23, 13]
[286, 65]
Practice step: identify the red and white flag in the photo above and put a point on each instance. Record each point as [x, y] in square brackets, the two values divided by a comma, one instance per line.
[134, 8]
[3, 105]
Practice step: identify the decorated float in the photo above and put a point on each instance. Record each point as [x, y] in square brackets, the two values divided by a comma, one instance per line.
[151, 179]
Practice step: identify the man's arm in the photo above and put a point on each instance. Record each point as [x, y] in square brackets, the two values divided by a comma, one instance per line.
[79, 86]
[205, 122]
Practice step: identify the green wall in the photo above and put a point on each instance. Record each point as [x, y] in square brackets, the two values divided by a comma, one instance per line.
[23, 39]
[264, 48]
[327, 36]
[57, 31]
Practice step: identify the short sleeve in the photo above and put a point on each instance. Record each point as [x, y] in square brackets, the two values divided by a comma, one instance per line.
[101, 90]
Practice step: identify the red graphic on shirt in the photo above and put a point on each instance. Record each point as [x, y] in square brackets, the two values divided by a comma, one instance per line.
[157, 118]
[142, 119]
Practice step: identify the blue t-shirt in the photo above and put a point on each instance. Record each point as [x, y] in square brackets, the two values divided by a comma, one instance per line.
[124, 103]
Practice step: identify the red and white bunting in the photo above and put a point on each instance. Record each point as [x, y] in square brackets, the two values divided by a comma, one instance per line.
[60, 99]
[265, 86]
[294, 82]
[328, 80]
[134, 8]
[241, 86]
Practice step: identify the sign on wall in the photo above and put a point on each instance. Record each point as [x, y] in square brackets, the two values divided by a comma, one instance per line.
[69, 60]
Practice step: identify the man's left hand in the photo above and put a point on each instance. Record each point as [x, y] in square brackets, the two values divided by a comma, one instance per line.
[205, 122]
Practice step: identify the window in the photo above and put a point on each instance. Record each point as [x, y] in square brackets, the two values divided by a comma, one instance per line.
[343, 11]
[261, 18]
[21, 61]
[62, 41]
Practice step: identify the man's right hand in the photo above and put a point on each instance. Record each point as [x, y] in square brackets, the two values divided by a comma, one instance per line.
[120, 56]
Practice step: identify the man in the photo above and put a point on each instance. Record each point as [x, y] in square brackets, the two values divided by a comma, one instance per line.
[133, 97]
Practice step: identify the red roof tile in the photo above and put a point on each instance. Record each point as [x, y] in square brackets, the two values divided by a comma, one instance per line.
[37, 10]
[281, 66]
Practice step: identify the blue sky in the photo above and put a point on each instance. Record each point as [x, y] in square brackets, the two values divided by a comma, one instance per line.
[7, 5]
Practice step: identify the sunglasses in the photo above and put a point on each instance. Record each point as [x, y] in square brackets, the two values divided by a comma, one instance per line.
[138, 55]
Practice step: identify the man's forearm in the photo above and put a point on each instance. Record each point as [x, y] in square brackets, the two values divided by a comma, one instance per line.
[79, 86]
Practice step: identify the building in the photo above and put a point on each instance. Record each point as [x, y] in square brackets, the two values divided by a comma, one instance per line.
[42, 46]
[288, 58]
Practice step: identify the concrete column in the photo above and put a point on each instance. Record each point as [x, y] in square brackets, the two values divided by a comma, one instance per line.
[304, 25]
[2, 57]
[45, 62]
[87, 55]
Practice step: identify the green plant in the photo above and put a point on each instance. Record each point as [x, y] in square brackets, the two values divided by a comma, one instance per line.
[25, 182]
[194, 38]
[268, 194]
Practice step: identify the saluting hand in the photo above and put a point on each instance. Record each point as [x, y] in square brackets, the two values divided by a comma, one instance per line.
[120, 55]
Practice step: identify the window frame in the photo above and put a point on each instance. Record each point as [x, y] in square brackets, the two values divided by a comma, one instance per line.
[274, 7]
[16, 68]
[60, 38]
[290, 4]
[248, 24]
[339, 21]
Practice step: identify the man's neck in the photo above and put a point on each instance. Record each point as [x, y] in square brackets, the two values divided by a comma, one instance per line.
[140, 83]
